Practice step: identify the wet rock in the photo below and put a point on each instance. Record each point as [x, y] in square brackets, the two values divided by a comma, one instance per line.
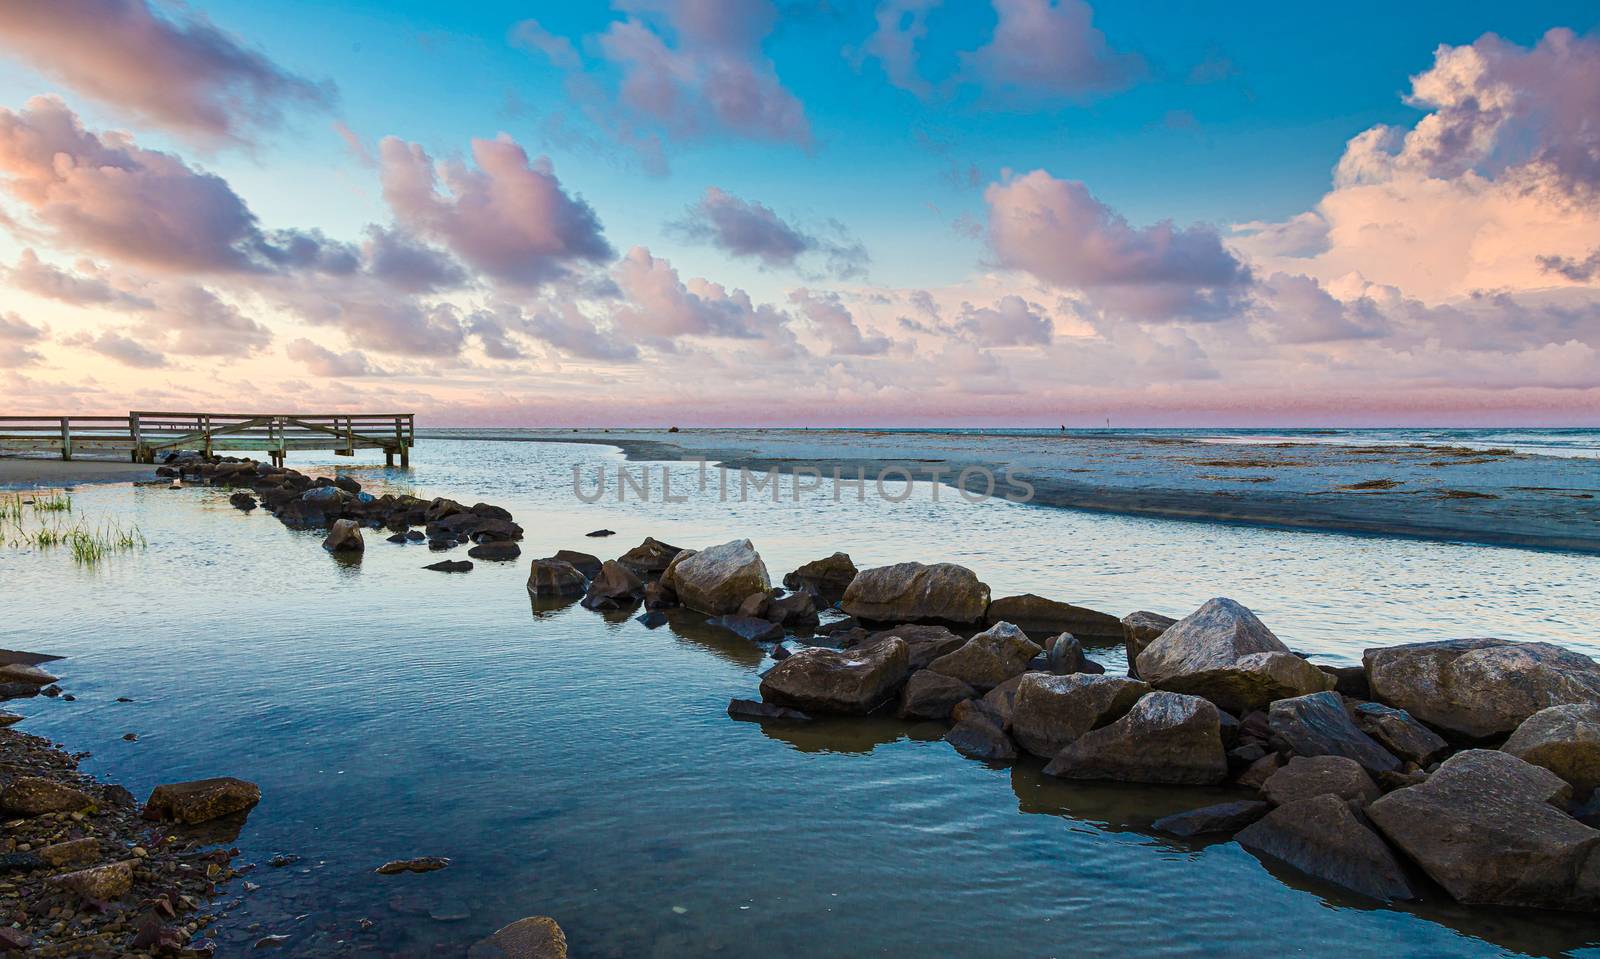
[1228, 817]
[451, 566]
[585, 563]
[649, 557]
[1258, 772]
[1349, 681]
[1165, 738]
[242, 501]
[718, 578]
[1139, 630]
[913, 592]
[537, 937]
[617, 587]
[762, 712]
[756, 604]
[552, 579]
[1480, 688]
[1048, 617]
[1483, 826]
[1318, 725]
[1051, 711]
[1324, 839]
[1564, 740]
[345, 537]
[1396, 731]
[748, 627]
[829, 576]
[824, 680]
[1225, 654]
[498, 551]
[989, 658]
[602, 532]
[930, 695]
[9, 719]
[415, 535]
[654, 619]
[201, 800]
[659, 596]
[1306, 777]
[926, 643]
[37, 796]
[25, 674]
[396, 538]
[418, 864]
[99, 883]
[978, 737]
[1064, 656]
[795, 611]
[998, 704]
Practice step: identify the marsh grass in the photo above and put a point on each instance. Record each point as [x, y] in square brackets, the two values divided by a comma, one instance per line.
[34, 521]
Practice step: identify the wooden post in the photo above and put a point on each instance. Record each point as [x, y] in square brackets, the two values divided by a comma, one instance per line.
[138, 437]
[205, 429]
[405, 456]
[66, 438]
[388, 458]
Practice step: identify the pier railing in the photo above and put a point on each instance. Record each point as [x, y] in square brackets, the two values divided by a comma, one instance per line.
[145, 434]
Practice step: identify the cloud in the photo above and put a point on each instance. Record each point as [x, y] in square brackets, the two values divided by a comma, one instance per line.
[321, 361]
[660, 305]
[829, 317]
[530, 35]
[374, 317]
[195, 321]
[35, 276]
[1050, 48]
[126, 351]
[1296, 309]
[15, 336]
[507, 218]
[175, 69]
[1011, 321]
[403, 262]
[1576, 270]
[901, 26]
[751, 230]
[1057, 231]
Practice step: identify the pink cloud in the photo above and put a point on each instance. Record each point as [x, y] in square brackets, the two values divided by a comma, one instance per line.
[321, 361]
[1050, 48]
[900, 26]
[833, 321]
[88, 288]
[176, 71]
[123, 349]
[659, 304]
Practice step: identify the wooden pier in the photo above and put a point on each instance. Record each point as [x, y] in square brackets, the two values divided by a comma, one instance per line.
[143, 435]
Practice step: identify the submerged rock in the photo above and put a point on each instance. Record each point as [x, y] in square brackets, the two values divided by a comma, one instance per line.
[451, 566]
[1048, 617]
[989, 658]
[552, 578]
[1228, 817]
[930, 695]
[1165, 738]
[1051, 711]
[978, 737]
[748, 627]
[201, 800]
[1480, 688]
[419, 864]
[717, 579]
[242, 501]
[1324, 839]
[838, 681]
[345, 537]
[1225, 654]
[537, 937]
[1564, 740]
[615, 588]
[495, 551]
[913, 592]
[762, 712]
[1306, 777]
[1139, 630]
[1318, 725]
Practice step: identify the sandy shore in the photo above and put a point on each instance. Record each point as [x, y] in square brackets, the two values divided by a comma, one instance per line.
[1431, 492]
[17, 472]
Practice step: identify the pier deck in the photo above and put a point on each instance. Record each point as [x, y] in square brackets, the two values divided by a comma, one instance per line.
[144, 434]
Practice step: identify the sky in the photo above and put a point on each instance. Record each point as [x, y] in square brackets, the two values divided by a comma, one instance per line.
[804, 212]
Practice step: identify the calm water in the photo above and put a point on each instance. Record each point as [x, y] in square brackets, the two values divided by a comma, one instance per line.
[583, 767]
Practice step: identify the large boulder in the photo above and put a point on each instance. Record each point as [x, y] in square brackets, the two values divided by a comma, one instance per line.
[1052, 711]
[1165, 738]
[1480, 688]
[1323, 838]
[989, 658]
[997, 705]
[1396, 731]
[345, 537]
[1564, 740]
[201, 800]
[1139, 630]
[913, 592]
[829, 576]
[1319, 725]
[1224, 653]
[37, 796]
[795, 611]
[586, 563]
[718, 578]
[1228, 817]
[926, 642]
[929, 695]
[1484, 827]
[536, 937]
[979, 737]
[648, 558]
[615, 588]
[551, 578]
[1306, 777]
[1047, 617]
[819, 680]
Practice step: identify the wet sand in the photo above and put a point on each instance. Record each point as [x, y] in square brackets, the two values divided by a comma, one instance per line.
[1430, 492]
[18, 472]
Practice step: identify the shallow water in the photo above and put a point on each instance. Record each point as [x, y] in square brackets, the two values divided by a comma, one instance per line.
[583, 767]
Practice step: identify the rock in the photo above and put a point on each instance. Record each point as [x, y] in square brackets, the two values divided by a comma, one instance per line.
[1324, 839]
[1052, 711]
[602, 532]
[1064, 656]
[1225, 654]
[552, 578]
[1480, 688]
[1349, 681]
[1306, 777]
[37, 796]
[654, 619]
[1483, 826]
[451, 566]
[1047, 617]
[498, 551]
[344, 538]
[748, 627]
[1564, 740]
[980, 738]
[650, 556]
[99, 883]
[838, 681]
[615, 588]
[762, 712]
[419, 864]
[795, 611]
[913, 592]
[998, 705]
[26, 675]
[1139, 630]
[927, 643]
[989, 658]
[9, 719]
[243, 501]
[756, 605]
[72, 852]
[201, 800]
[537, 937]
[585, 563]
[930, 695]
[717, 579]
[1258, 772]
[1228, 817]
[396, 538]
[829, 576]
[657, 596]
[1396, 731]
[1317, 725]
[1165, 738]
[14, 940]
